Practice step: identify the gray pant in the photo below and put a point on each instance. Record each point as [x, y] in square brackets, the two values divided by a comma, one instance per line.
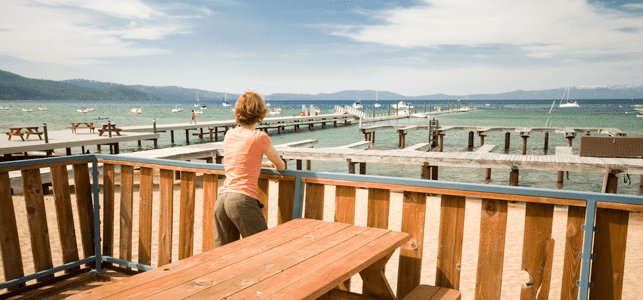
[236, 214]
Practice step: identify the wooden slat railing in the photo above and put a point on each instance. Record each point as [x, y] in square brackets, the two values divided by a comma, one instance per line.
[537, 253]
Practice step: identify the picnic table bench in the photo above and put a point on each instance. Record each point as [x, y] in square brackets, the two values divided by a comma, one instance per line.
[105, 128]
[300, 259]
[75, 125]
[18, 131]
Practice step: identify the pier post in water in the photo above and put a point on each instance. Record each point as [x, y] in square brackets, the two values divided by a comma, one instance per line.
[513, 176]
[362, 168]
[373, 112]
[351, 167]
[172, 136]
[487, 175]
[441, 145]
[402, 135]
[559, 179]
[470, 145]
[546, 141]
[524, 143]
[482, 135]
[187, 136]
[507, 140]
[389, 110]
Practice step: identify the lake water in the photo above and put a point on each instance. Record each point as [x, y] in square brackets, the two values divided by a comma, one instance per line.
[532, 113]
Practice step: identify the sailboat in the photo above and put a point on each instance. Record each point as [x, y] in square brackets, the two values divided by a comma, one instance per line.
[137, 110]
[225, 99]
[567, 103]
[376, 104]
[196, 104]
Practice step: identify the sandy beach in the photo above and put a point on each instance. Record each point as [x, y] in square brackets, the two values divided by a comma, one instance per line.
[513, 277]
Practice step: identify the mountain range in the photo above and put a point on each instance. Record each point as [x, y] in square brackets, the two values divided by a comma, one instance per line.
[15, 87]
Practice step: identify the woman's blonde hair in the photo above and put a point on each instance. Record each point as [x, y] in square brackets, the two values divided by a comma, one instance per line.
[250, 108]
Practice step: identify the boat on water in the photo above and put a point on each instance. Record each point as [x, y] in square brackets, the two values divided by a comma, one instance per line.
[82, 110]
[567, 104]
[4, 108]
[198, 112]
[90, 109]
[487, 104]
[401, 105]
[204, 107]
[376, 104]
[275, 112]
[42, 108]
[177, 109]
[27, 110]
[357, 105]
[225, 100]
[100, 118]
[137, 110]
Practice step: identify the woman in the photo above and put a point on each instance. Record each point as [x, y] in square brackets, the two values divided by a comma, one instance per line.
[193, 117]
[237, 210]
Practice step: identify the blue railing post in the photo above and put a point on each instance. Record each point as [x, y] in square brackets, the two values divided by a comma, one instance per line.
[298, 203]
[97, 240]
[588, 239]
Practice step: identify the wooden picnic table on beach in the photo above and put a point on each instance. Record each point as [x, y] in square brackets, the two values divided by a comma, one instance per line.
[75, 125]
[300, 259]
[105, 128]
[18, 131]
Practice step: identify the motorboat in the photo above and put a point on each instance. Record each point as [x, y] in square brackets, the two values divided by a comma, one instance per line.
[377, 105]
[204, 107]
[198, 112]
[567, 104]
[357, 105]
[401, 105]
[90, 109]
[82, 110]
[27, 110]
[177, 109]
[137, 110]
[42, 108]
[4, 108]
[196, 104]
[275, 112]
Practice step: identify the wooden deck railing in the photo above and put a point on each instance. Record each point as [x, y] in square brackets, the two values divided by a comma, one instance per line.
[301, 194]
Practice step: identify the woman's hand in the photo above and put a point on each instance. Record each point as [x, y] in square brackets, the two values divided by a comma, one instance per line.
[267, 165]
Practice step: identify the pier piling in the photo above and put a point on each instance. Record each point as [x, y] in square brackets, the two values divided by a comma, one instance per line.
[470, 145]
[546, 141]
[507, 140]
[524, 143]
[513, 177]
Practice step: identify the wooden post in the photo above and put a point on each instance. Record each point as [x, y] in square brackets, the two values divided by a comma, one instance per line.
[373, 137]
[397, 109]
[139, 146]
[9, 241]
[507, 140]
[441, 147]
[299, 164]
[482, 135]
[470, 140]
[559, 179]
[97, 149]
[308, 165]
[402, 139]
[201, 133]
[216, 133]
[389, 110]
[116, 149]
[425, 172]
[569, 140]
[68, 151]
[362, 168]
[373, 112]
[513, 177]
[641, 185]
[524, 144]
[546, 141]
[351, 167]
[487, 175]
[424, 107]
[172, 136]
[187, 136]
[156, 143]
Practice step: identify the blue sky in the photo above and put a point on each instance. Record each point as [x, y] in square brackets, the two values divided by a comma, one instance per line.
[412, 47]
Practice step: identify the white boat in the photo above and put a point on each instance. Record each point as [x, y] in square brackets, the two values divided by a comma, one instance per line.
[487, 104]
[196, 104]
[317, 110]
[567, 104]
[27, 110]
[137, 110]
[82, 110]
[275, 111]
[357, 105]
[42, 108]
[401, 105]
[198, 112]
[204, 107]
[376, 104]
[225, 100]
[4, 108]
[176, 109]
[90, 109]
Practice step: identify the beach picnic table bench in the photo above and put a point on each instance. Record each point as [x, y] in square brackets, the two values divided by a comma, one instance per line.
[105, 128]
[75, 125]
[18, 131]
[300, 259]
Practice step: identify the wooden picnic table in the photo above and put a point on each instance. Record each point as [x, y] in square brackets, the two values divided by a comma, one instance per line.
[300, 259]
[75, 125]
[18, 131]
[105, 128]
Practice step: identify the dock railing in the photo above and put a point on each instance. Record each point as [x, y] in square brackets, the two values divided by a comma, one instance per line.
[594, 248]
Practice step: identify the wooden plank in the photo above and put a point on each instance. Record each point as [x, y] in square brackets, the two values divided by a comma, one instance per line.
[145, 217]
[573, 246]
[9, 241]
[285, 201]
[410, 267]
[379, 202]
[448, 267]
[345, 210]
[186, 217]
[493, 227]
[37, 220]
[38, 166]
[166, 189]
[609, 251]
[126, 214]
[85, 208]
[262, 196]
[210, 187]
[64, 215]
[314, 206]
[536, 245]
[108, 209]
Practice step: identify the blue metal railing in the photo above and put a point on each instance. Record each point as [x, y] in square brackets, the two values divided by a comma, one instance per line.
[590, 198]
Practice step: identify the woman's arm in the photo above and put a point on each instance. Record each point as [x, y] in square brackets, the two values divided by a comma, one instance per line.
[272, 155]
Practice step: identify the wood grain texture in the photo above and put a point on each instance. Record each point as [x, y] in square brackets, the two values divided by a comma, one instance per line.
[609, 250]
[493, 228]
[345, 210]
[108, 210]
[166, 208]
[573, 246]
[410, 267]
[285, 201]
[37, 220]
[186, 217]
[314, 204]
[145, 217]
[262, 196]
[210, 183]
[126, 212]
[85, 207]
[9, 242]
[64, 215]
[452, 210]
[379, 202]
[537, 236]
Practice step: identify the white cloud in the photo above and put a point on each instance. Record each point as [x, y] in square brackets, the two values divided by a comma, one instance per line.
[543, 29]
[633, 5]
[81, 32]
